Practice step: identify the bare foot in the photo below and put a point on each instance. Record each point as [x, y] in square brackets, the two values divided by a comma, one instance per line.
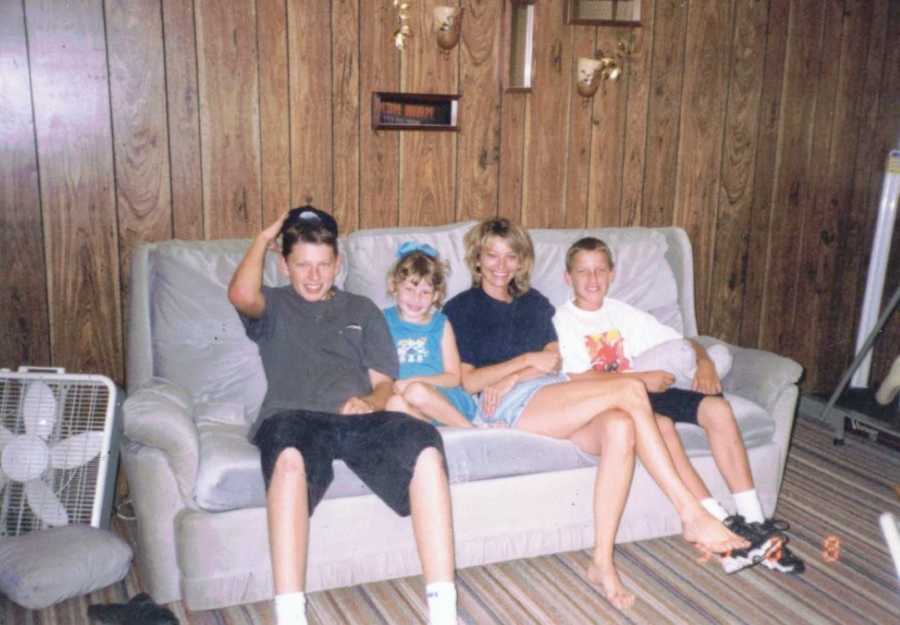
[608, 579]
[704, 529]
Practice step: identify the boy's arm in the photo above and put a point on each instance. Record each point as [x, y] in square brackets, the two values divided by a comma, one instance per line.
[706, 380]
[245, 289]
[382, 389]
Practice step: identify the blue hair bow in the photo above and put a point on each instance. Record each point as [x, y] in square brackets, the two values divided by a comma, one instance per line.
[411, 246]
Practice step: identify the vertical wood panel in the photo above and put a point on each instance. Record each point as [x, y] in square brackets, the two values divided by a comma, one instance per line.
[667, 76]
[700, 145]
[24, 325]
[608, 124]
[229, 119]
[274, 108]
[183, 109]
[578, 155]
[479, 139]
[793, 186]
[728, 274]
[765, 171]
[309, 53]
[856, 235]
[379, 151]
[74, 144]
[639, 65]
[345, 101]
[849, 23]
[428, 159]
[548, 114]
[514, 108]
[140, 136]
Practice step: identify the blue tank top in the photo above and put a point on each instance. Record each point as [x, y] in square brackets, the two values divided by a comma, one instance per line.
[418, 345]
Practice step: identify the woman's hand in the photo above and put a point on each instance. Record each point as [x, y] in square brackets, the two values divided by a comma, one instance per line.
[706, 380]
[657, 381]
[546, 361]
[491, 395]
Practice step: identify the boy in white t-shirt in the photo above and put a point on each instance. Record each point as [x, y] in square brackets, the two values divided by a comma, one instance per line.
[599, 335]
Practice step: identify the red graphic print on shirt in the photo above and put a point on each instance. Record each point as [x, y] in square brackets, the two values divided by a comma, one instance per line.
[607, 352]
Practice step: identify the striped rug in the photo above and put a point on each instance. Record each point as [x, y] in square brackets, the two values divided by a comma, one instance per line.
[832, 497]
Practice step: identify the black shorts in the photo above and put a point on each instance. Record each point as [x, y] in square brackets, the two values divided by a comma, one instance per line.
[380, 447]
[680, 405]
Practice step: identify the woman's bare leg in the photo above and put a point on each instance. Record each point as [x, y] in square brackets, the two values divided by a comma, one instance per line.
[288, 516]
[686, 470]
[558, 410]
[611, 436]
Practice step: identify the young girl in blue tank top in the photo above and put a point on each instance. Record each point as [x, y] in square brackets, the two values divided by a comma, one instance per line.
[428, 386]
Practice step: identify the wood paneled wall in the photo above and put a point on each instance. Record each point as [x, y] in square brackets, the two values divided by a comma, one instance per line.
[760, 126]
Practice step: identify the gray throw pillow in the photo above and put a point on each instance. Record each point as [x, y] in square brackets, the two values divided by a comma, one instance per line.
[45, 567]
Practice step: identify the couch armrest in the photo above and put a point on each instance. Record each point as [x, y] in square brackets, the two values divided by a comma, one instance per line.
[756, 374]
[159, 414]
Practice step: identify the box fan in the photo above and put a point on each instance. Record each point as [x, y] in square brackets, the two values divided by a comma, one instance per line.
[58, 449]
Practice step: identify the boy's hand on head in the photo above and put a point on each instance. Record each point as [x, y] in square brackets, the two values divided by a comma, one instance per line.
[706, 380]
[273, 230]
[356, 405]
[657, 381]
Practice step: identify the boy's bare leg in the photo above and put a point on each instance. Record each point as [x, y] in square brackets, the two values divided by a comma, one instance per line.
[717, 419]
[288, 516]
[429, 494]
[611, 436]
[683, 466]
[558, 410]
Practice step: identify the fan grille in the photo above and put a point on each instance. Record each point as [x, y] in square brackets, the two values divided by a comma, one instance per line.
[76, 406]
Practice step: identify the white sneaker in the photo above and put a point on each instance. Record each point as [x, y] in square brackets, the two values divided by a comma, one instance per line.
[890, 386]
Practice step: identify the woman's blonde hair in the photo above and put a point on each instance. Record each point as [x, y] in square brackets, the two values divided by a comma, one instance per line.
[517, 238]
[420, 266]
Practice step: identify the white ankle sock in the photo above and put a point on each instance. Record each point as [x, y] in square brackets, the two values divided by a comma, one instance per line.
[441, 603]
[290, 608]
[749, 506]
[714, 508]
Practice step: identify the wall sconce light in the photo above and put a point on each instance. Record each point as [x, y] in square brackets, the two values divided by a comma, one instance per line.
[447, 26]
[591, 72]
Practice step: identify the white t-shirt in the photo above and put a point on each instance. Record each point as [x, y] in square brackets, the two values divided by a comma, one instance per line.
[606, 339]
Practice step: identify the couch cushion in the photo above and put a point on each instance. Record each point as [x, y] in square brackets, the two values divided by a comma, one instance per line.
[198, 339]
[643, 276]
[229, 476]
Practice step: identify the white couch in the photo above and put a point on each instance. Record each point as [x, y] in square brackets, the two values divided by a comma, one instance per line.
[195, 382]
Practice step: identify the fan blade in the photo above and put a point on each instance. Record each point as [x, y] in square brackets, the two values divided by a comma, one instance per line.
[76, 450]
[45, 504]
[39, 410]
[5, 437]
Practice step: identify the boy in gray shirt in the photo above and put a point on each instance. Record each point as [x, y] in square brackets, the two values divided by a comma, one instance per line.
[330, 364]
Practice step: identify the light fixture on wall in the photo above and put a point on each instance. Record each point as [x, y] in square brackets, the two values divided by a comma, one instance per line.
[447, 26]
[403, 29]
[593, 71]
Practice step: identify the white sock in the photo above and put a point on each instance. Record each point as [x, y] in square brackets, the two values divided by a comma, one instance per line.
[441, 603]
[749, 506]
[290, 608]
[714, 508]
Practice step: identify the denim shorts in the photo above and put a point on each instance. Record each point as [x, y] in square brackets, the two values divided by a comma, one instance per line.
[513, 403]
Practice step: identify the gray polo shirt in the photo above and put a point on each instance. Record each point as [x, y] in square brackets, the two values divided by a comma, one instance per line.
[316, 355]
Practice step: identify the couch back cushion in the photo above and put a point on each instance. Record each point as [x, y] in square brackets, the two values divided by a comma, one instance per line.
[643, 276]
[198, 339]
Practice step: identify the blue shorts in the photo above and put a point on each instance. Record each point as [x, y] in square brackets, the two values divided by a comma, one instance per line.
[461, 400]
[513, 403]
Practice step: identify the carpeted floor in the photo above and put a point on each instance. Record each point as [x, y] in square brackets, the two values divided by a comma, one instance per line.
[832, 496]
